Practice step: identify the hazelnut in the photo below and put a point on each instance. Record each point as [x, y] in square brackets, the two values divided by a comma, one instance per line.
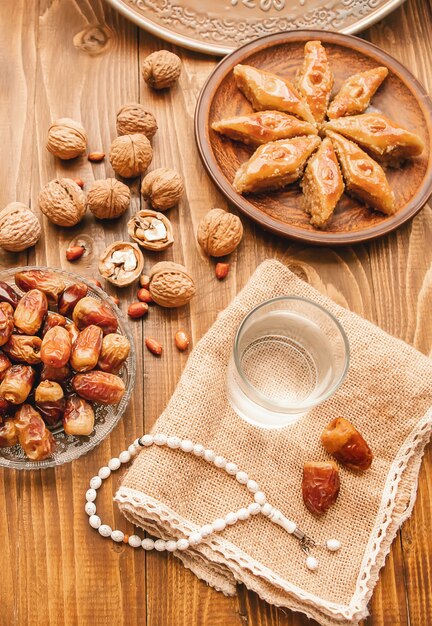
[63, 202]
[131, 155]
[161, 69]
[133, 118]
[19, 227]
[171, 285]
[67, 139]
[163, 188]
[121, 263]
[108, 199]
[219, 232]
[151, 230]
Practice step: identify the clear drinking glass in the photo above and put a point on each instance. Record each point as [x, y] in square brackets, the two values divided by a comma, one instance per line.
[289, 355]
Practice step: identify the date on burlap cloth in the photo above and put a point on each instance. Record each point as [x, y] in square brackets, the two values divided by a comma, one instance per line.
[387, 395]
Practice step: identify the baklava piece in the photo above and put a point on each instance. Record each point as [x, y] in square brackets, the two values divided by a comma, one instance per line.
[269, 92]
[275, 165]
[381, 137]
[364, 177]
[322, 184]
[264, 126]
[356, 93]
[315, 80]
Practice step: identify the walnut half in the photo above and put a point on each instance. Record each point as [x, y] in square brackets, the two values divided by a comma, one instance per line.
[121, 263]
[151, 230]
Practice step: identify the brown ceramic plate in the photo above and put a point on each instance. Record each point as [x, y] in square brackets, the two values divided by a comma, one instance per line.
[401, 97]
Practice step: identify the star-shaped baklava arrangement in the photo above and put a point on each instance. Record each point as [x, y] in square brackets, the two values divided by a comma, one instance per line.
[330, 146]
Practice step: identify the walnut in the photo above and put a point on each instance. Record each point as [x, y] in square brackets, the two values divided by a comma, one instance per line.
[171, 285]
[108, 199]
[161, 69]
[63, 202]
[133, 118]
[131, 155]
[121, 263]
[219, 232]
[19, 227]
[163, 188]
[67, 139]
[151, 230]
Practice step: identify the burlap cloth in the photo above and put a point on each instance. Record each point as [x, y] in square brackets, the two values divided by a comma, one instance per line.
[387, 394]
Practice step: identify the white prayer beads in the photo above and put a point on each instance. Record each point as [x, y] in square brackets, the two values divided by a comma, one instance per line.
[260, 504]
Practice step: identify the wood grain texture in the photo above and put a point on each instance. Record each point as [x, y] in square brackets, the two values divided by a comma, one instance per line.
[79, 58]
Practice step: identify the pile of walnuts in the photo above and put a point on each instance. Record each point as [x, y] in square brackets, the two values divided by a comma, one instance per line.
[64, 202]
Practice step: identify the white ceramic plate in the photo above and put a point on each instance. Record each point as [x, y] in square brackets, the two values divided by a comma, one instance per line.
[220, 26]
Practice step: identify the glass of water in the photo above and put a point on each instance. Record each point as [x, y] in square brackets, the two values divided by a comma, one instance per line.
[289, 355]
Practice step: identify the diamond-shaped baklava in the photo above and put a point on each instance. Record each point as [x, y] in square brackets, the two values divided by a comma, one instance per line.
[315, 79]
[356, 93]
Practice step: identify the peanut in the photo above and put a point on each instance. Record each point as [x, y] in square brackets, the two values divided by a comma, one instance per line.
[153, 346]
[144, 295]
[181, 340]
[137, 309]
[221, 270]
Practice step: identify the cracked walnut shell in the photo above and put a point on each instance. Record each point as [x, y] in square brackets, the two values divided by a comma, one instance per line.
[171, 285]
[19, 227]
[133, 118]
[219, 232]
[121, 263]
[63, 202]
[151, 230]
[161, 69]
[163, 188]
[130, 155]
[67, 139]
[108, 198]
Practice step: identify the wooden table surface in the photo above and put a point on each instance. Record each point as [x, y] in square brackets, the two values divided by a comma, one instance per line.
[79, 58]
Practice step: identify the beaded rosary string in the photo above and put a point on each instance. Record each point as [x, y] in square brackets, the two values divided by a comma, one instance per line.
[259, 506]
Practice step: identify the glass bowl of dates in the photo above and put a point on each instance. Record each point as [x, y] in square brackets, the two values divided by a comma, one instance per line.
[67, 367]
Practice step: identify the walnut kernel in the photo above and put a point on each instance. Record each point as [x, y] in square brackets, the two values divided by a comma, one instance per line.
[133, 118]
[151, 230]
[163, 188]
[121, 263]
[108, 198]
[219, 232]
[131, 155]
[19, 227]
[67, 139]
[161, 69]
[63, 202]
[171, 285]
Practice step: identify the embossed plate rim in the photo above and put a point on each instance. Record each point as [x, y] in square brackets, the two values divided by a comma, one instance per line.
[198, 45]
[315, 237]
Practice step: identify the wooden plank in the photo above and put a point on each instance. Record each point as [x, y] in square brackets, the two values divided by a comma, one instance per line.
[55, 568]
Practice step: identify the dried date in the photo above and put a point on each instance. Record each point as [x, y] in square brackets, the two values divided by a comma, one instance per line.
[33, 435]
[50, 283]
[115, 351]
[90, 311]
[8, 294]
[343, 441]
[86, 349]
[78, 417]
[70, 298]
[52, 320]
[100, 387]
[5, 364]
[17, 383]
[320, 486]
[73, 331]
[56, 374]
[50, 401]
[31, 311]
[56, 347]
[24, 349]
[8, 434]
[6, 322]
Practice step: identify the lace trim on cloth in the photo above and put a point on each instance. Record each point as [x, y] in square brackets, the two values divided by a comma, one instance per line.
[225, 561]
